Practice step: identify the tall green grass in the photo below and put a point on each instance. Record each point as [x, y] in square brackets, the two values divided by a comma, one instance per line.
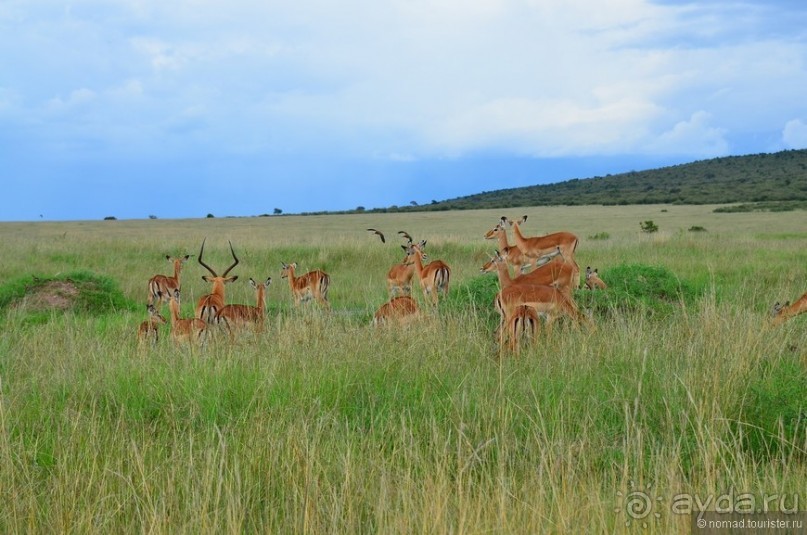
[324, 424]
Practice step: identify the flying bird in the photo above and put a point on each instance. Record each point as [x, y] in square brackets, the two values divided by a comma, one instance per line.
[405, 235]
[379, 233]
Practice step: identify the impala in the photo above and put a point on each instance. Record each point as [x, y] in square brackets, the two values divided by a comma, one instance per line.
[162, 286]
[546, 300]
[780, 312]
[313, 284]
[149, 329]
[235, 316]
[593, 279]
[524, 323]
[210, 304]
[555, 273]
[399, 310]
[537, 246]
[184, 329]
[399, 277]
[520, 262]
[434, 277]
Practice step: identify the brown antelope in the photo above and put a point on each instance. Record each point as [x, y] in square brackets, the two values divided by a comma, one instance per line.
[520, 262]
[523, 324]
[210, 304]
[184, 329]
[163, 285]
[546, 300]
[434, 277]
[593, 280]
[236, 316]
[399, 277]
[555, 273]
[400, 310]
[149, 329]
[780, 312]
[538, 246]
[313, 284]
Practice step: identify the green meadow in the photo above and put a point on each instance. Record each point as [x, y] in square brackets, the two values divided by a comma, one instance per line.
[323, 424]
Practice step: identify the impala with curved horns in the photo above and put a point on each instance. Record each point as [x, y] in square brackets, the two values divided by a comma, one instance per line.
[162, 286]
[400, 310]
[399, 276]
[236, 316]
[555, 273]
[312, 285]
[780, 312]
[209, 305]
[434, 277]
[184, 329]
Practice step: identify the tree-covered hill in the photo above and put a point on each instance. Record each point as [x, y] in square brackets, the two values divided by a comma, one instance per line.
[757, 178]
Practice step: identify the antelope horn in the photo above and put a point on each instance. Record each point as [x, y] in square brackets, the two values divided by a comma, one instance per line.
[234, 257]
[201, 252]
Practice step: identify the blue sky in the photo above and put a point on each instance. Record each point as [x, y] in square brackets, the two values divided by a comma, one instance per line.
[133, 108]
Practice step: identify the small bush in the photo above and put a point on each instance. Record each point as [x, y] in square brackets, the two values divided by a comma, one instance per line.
[697, 228]
[648, 226]
[651, 290]
[599, 236]
[110, 218]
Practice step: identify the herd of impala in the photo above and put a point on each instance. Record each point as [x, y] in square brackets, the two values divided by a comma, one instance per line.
[541, 285]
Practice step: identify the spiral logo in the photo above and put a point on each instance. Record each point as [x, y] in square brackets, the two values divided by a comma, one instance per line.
[638, 505]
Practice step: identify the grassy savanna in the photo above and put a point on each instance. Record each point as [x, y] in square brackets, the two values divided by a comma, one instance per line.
[323, 424]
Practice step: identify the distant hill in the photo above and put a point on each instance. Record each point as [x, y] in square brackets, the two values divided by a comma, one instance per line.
[767, 179]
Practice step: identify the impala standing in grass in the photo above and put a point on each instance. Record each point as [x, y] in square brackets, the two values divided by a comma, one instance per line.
[184, 329]
[162, 286]
[312, 285]
[237, 316]
[149, 330]
[538, 246]
[555, 273]
[434, 277]
[210, 304]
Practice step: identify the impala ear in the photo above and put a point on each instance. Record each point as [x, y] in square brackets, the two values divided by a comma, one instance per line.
[405, 248]
[252, 282]
[231, 279]
[168, 257]
[268, 281]
[185, 258]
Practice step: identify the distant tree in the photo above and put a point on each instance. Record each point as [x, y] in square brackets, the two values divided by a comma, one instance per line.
[210, 216]
[278, 211]
[152, 217]
[648, 226]
[413, 203]
[360, 208]
[110, 218]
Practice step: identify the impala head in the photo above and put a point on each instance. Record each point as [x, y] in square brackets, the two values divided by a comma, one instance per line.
[494, 232]
[490, 265]
[778, 307]
[154, 314]
[287, 268]
[223, 279]
[265, 284]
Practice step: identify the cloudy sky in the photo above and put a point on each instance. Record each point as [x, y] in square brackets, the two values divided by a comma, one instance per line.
[181, 108]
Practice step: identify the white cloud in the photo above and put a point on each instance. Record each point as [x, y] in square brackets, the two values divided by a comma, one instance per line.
[794, 134]
[694, 137]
